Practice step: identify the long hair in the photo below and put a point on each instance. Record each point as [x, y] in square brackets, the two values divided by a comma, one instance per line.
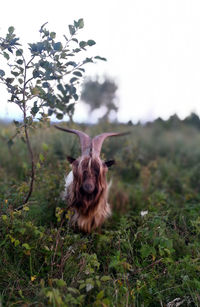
[87, 193]
[94, 168]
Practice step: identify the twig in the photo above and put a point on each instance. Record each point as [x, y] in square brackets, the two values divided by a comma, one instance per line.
[27, 137]
[148, 266]
[56, 247]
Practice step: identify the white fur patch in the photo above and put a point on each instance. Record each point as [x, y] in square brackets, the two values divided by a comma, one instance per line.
[68, 180]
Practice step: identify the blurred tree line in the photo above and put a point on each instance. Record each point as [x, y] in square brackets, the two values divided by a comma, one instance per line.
[174, 121]
[102, 92]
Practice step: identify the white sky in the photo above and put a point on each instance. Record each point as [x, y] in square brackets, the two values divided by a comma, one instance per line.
[152, 47]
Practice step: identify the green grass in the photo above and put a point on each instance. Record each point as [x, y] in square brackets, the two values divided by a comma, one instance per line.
[134, 259]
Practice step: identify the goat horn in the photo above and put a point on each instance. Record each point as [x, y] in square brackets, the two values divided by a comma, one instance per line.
[98, 140]
[85, 140]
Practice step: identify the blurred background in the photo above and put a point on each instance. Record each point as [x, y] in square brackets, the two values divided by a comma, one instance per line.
[152, 50]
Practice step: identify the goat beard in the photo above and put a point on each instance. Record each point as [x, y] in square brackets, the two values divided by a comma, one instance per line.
[85, 202]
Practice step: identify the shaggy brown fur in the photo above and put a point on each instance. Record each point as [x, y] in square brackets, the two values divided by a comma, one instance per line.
[86, 190]
[89, 210]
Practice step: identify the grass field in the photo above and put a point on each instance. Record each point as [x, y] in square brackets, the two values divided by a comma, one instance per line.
[146, 254]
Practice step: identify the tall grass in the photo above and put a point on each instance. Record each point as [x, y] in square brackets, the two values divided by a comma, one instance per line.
[146, 254]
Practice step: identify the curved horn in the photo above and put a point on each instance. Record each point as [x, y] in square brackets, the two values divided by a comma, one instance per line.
[85, 140]
[98, 140]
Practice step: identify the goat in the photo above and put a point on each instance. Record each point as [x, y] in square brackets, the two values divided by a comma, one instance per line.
[86, 189]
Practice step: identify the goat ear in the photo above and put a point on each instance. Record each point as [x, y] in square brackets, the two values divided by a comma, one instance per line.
[70, 159]
[109, 163]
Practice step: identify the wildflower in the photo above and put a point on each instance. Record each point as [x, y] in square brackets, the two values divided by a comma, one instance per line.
[143, 213]
[33, 278]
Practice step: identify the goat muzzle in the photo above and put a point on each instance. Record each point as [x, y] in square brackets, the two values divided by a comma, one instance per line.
[88, 187]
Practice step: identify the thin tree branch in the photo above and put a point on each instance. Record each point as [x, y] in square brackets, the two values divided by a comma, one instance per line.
[27, 136]
[30, 61]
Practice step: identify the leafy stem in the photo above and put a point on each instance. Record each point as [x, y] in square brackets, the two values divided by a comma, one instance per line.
[30, 150]
[38, 85]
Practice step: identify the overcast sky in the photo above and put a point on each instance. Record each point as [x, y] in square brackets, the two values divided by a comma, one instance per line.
[152, 48]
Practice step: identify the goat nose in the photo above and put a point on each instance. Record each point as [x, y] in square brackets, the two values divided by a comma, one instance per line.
[88, 188]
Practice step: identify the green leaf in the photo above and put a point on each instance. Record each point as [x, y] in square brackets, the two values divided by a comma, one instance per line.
[88, 60]
[72, 90]
[35, 110]
[57, 46]
[75, 97]
[41, 157]
[39, 46]
[75, 40]
[66, 99]
[17, 243]
[105, 278]
[20, 62]
[38, 165]
[36, 73]
[4, 217]
[72, 80]
[26, 208]
[11, 30]
[100, 295]
[70, 108]
[106, 302]
[80, 23]
[81, 69]
[100, 58]
[60, 283]
[60, 87]
[83, 44]
[53, 35]
[19, 52]
[74, 64]
[73, 290]
[76, 50]
[72, 30]
[59, 116]
[50, 112]
[35, 91]
[6, 55]
[77, 73]
[45, 85]
[26, 246]
[16, 74]
[20, 80]
[147, 250]
[10, 80]
[2, 73]
[45, 147]
[91, 42]
[46, 32]
[33, 48]
[82, 286]
[13, 42]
